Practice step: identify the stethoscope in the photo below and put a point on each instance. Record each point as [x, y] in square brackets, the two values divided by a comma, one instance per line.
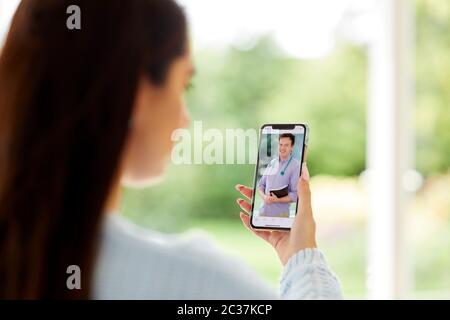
[286, 166]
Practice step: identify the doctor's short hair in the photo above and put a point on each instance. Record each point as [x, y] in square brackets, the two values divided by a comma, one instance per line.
[287, 135]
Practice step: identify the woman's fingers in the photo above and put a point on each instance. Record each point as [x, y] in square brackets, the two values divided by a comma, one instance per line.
[244, 205]
[244, 190]
[274, 238]
[304, 193]
[246, 222]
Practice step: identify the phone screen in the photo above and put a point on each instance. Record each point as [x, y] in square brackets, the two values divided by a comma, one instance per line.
[278, 169]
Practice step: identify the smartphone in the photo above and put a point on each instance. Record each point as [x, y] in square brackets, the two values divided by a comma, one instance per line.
[281, 152]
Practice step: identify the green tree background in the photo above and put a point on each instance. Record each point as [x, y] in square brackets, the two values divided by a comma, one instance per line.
[246, 88]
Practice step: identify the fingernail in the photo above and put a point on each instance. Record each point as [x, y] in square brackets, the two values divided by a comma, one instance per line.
[305, 172]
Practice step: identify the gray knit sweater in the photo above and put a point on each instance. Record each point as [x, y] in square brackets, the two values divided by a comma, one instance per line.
[138, 263]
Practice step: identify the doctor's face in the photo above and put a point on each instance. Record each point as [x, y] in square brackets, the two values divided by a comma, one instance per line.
[159, 110]
[285, 147]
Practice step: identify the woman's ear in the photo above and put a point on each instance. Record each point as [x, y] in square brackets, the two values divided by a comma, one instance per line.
[145, 92]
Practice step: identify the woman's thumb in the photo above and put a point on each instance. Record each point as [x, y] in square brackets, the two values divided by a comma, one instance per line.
[304, 192]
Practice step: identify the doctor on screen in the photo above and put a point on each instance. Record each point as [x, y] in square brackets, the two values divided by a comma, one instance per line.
[280, 177]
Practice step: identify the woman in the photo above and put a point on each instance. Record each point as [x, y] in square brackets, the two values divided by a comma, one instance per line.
[86, 111]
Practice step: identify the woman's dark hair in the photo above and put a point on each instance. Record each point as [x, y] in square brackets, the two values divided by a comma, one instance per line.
[287, 135]
[66, 97]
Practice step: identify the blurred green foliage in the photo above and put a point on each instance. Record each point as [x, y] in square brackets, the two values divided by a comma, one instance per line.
[246, 88]
[433, 85]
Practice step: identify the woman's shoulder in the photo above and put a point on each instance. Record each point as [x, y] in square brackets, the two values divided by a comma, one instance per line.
[122, 236]
[136, 262]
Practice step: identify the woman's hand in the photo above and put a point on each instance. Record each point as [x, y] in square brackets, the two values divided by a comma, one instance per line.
[303, 232]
